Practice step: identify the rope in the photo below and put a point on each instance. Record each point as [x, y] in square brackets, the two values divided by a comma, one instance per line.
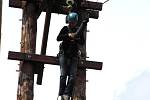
[105, 1]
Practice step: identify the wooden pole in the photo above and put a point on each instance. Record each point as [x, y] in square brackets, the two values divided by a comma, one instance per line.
[44, 45]
[45, 33]
[48, 5]
[0, 20]
[80, 85]
[28, 45]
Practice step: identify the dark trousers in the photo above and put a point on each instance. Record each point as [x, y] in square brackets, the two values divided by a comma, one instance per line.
[68, 70]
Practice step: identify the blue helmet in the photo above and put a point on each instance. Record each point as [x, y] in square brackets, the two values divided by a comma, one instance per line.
[72, 17]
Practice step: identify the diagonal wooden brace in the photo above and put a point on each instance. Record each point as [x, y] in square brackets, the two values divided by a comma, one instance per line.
[44, 45]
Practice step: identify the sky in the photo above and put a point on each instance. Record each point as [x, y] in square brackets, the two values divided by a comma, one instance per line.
[119, 39]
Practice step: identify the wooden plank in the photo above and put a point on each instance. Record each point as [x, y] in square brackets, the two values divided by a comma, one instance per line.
[93, 14]
[45, 33]
[59, 9]
[44, 45]
[15, 3]
[51, 60]
[84, 5]
[92, 5]
[32, 57]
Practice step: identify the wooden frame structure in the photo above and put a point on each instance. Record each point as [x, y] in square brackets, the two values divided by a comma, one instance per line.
[32, 63]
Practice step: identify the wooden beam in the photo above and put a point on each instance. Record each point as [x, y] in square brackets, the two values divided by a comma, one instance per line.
[15, 3]
[94, 13]
[84, 4]
[45, 33]
[92, 5]
[51, 60]
[44, 45]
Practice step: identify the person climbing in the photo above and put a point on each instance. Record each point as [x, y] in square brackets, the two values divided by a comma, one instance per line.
[70, 36]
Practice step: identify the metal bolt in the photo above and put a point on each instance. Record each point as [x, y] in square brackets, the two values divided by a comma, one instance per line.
[87, 30]
[18, 71]
[81, 62]
[22, 44]
[29, 56]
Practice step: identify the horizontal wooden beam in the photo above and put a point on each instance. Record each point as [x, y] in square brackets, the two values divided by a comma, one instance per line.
[91, 7]
[93, 14]
[15, 3]
[85, 4]
[51, 60]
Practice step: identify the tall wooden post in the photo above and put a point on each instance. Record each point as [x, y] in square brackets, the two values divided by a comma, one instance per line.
[0, 20]
[80, 85]
[28, 45]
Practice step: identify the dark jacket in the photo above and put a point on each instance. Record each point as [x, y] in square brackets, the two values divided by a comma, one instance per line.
[70, 48]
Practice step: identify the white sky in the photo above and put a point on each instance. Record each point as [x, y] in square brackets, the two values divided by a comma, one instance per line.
[119, 38]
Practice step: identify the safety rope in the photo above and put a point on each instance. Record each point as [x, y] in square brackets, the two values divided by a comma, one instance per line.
[105, 1]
